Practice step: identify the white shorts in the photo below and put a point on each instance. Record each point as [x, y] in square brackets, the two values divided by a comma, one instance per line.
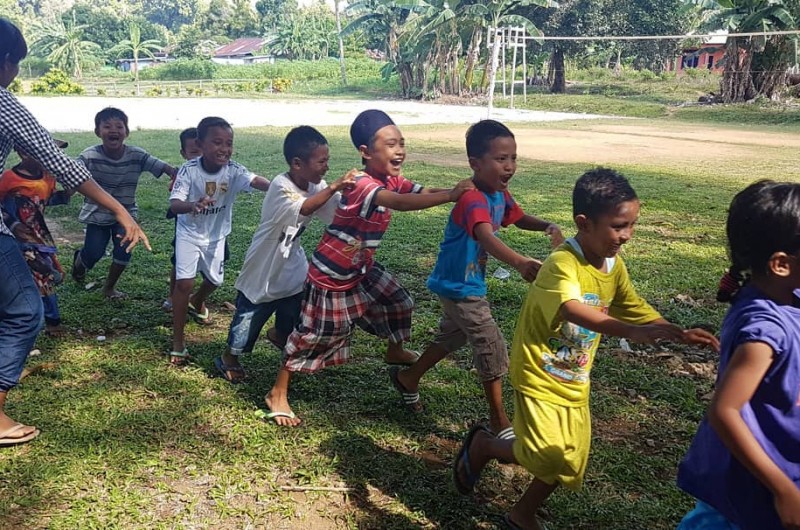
[191, 258]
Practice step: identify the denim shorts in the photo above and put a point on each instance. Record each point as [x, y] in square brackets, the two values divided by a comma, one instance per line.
[250, 318]
[96, 241]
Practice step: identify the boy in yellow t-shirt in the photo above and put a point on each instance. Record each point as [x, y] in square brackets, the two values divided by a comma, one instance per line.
[582, 291]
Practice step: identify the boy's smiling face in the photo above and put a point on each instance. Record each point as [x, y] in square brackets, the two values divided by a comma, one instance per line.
[217, 148]
[604, 236]
[112, 132]
[386, 154]
[311, 170]
[494, 169]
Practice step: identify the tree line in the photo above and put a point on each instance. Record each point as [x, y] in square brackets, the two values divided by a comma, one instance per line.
[433, 46]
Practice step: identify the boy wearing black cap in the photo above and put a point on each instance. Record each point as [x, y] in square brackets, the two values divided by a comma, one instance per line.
[346, 287]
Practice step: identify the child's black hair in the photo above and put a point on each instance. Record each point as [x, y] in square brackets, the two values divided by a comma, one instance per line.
[208, 122]
[599, 191]
[111, 113]
[301, 142]
[481, 134]
[12, 44]
[764, 218]
[186, 135]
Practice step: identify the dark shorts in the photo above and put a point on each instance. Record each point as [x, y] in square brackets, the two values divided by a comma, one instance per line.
[469, 320]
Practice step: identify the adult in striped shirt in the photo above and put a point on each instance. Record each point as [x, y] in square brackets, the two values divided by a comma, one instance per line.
[117, 167]
[21, 311]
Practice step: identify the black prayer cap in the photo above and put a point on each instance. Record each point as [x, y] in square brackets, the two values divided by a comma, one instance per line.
[367, 124]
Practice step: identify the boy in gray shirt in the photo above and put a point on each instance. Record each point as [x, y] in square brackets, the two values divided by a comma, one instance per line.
[116, 167]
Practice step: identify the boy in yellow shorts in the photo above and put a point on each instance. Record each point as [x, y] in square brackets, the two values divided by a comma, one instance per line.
[582, 291]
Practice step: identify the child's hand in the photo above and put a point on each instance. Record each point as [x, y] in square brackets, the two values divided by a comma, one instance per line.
[650, 333]
[701, 337]
[202, 204]
[347, 181]
[529, 269]
[788, 507]
[555, 235]
[460, 188]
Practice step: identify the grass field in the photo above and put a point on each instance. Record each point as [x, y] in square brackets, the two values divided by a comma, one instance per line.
[129, 442]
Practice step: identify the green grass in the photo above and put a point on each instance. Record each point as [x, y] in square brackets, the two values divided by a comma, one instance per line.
[128, 442]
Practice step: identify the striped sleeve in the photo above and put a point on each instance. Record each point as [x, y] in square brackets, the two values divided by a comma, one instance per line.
[18, 126]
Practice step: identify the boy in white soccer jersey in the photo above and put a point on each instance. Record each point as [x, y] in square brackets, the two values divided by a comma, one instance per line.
[203, 198]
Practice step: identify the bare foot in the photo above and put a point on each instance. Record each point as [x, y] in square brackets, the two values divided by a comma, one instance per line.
[113, 294]
[280, 411]
[403, 357]
[11, 430]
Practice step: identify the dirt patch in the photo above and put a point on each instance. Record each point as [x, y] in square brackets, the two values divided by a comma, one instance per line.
[62, 235]
[598, 143]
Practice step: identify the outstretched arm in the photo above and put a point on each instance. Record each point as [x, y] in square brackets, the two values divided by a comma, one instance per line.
[133, 232]
[260, 183]
[421, 201]
[535, 224]
[745, 372]
[312, 204]
[527, 267]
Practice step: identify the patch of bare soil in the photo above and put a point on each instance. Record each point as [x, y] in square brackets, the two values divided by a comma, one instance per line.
[62, 235]
[598, 143]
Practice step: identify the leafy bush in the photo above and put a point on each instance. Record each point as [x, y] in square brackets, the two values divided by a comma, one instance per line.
[15, 86]
[154, 91]
[180, 70]
[32, 66]
[56, 82]
[281, 84]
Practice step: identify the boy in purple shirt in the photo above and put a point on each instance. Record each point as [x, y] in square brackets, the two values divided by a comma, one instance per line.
[744, 463]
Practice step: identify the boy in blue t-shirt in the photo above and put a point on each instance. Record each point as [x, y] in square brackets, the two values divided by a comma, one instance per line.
[459, 277]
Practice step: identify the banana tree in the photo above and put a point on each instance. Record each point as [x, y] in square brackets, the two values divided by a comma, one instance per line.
[388, 18]
[753, 65]
[63, 45]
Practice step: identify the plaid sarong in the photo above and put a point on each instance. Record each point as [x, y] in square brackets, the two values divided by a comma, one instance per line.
[378, 304]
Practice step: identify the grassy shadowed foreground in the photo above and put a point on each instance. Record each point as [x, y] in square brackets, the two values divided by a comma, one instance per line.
[129, 442]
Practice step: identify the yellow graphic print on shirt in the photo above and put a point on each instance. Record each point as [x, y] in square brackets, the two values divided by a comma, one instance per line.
[570, 352]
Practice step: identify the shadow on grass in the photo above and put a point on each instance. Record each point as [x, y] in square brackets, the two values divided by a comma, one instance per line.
[422, 485]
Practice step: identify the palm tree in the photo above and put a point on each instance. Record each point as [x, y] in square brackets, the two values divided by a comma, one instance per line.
[753, 65]
[63, 45]
[134, 45]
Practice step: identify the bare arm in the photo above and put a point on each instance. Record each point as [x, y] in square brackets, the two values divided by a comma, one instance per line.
[535, 224]
[133, 232]
[745, 372]
[260, 183]
[180, 207]
[527, 267]
[312, 204]
[419, 201]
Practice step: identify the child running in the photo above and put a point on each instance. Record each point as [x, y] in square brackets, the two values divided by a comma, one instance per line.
[203, 198]
[346, 287]
[582, 290]
[25, 191]
[189, 150]
[275, 266]
[117, 168]
[459, 277]
[744, 463]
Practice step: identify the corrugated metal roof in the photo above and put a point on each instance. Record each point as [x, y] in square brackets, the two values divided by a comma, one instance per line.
[240, 47]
